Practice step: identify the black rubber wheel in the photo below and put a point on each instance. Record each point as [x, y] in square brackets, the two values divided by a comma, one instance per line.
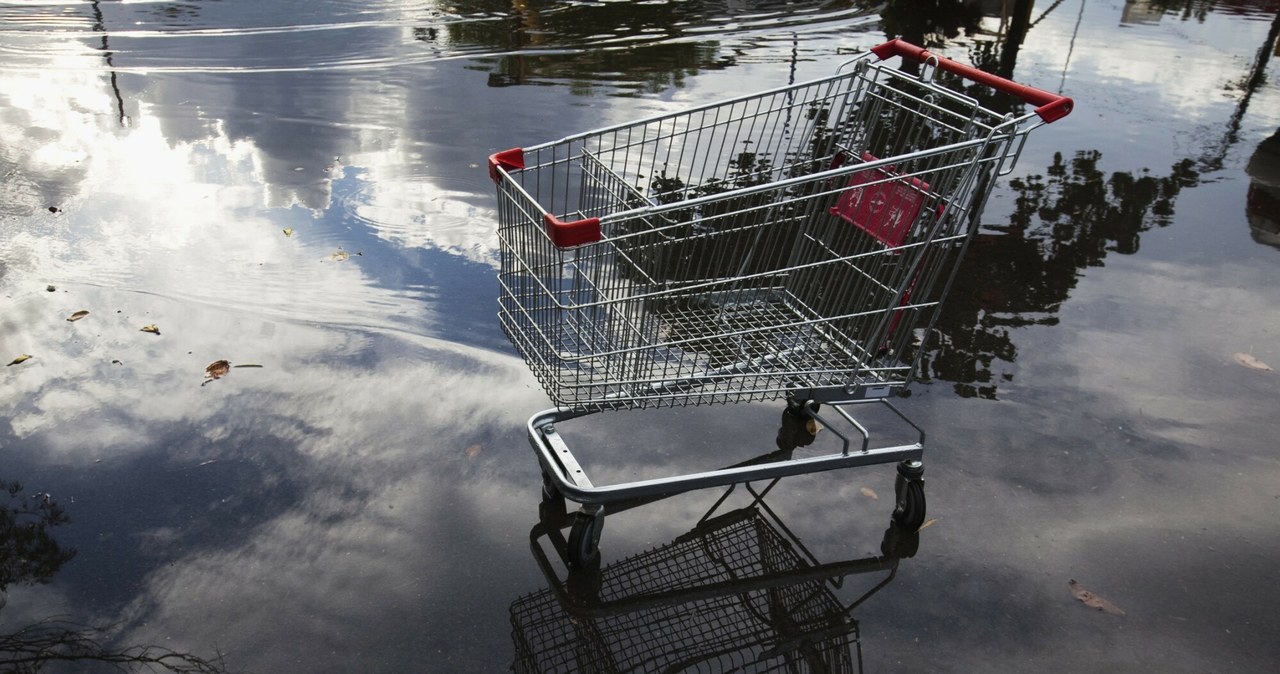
[794, 430]
[909, 513]
[584, 545]
[900, 542]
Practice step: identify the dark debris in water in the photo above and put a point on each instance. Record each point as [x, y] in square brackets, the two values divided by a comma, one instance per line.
[1092, 600]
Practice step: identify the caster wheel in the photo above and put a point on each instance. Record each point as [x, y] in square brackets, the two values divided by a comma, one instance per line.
[900, 542]
[794, 431]
[797, 407]
[908, 491]
[584, 542]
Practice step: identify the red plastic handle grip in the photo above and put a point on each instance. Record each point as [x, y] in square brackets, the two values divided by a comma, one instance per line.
[1050, 107]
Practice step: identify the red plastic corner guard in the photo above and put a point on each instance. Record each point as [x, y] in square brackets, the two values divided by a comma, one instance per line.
[573, 233]
[507, 159]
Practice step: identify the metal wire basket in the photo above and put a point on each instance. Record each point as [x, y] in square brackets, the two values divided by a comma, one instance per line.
[801, 239]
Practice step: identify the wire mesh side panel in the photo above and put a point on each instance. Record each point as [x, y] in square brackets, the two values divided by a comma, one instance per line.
[921, 161]
[799, 627]
[798, 239]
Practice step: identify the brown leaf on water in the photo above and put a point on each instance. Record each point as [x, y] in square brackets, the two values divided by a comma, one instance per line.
[1249, 361]
[77, 316]
[1092, 600]
[339, 256]
[870, 493]
[21, 359]
[151, 329]
[288, 231]
[217, 369]
[473, 451]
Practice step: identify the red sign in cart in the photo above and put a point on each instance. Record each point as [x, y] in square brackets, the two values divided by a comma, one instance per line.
[880, 205]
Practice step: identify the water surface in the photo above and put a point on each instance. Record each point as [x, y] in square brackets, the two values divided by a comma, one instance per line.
[301, 186]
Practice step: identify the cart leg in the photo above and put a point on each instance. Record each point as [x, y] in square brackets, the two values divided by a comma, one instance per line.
[797, 406]
[908, 491]
[552, 508]
[796, 427]
[584, 537]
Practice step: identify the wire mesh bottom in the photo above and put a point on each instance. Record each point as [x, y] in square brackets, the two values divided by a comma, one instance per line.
[690, 627]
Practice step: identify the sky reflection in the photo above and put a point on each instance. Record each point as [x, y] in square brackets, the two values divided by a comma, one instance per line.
[363, 501]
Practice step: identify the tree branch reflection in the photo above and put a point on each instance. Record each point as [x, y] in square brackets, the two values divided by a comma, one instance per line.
[1067, 219]
[29, 555]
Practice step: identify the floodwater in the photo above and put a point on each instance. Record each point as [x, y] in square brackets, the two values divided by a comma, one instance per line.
[301, 186]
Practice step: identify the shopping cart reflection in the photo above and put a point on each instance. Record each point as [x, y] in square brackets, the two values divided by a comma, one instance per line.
[739, 592]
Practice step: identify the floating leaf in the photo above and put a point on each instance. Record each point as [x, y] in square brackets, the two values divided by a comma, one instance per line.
[288, 231]
[77, 316]
[151, 329]
[1092, 600]
[218, 368]
[473, 451]
[1249, 361]
[339, 256]
[870, 493]
[21, 359]
[926, 525]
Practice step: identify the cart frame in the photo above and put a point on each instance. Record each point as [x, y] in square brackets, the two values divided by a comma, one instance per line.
[819, 278]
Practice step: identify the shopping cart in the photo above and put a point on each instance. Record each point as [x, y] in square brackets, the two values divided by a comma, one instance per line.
[797, 242]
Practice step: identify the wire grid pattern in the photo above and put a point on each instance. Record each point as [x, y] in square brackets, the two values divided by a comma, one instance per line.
[802, 238]
[793, 628]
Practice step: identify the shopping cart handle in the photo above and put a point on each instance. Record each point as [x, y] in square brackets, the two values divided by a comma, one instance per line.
[1050, 107]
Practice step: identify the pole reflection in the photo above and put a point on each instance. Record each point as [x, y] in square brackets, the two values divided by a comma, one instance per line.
[1262, 205]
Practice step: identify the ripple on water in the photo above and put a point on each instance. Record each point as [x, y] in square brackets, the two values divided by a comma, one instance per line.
[284, 35]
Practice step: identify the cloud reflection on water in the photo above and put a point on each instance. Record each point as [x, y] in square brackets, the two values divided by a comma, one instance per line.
[323, 509]
[317, 471]
[317, 503]
[366, 548]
